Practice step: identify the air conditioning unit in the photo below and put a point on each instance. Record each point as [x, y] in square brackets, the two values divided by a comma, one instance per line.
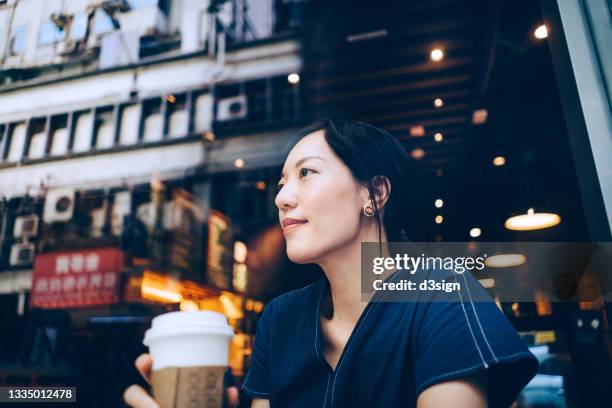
[22, 254]
[232, 108]
[26, 226]
[59, 205]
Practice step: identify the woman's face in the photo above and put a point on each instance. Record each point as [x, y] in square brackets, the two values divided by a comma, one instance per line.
[319, 192]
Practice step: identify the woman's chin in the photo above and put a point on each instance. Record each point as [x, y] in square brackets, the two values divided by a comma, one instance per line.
[298, 256]
[300, 260]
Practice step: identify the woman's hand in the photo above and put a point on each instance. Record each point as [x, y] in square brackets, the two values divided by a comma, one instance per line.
[136, 397]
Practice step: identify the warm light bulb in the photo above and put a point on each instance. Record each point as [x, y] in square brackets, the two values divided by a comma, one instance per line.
[487, 283]
[499, 161]
[293, 78]
[532, 221]
[439, 203]
[479, 116]
[240, 251]
[417, 131]
[439, 219]
[475, 232]
[541, 32]
[437, 54]
[417, 154]
[438, 137]
[505, 260]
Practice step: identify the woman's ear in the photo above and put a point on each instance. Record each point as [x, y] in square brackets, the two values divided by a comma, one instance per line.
[382, 190]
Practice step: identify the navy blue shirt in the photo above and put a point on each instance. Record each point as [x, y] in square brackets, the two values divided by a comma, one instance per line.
[396, 350]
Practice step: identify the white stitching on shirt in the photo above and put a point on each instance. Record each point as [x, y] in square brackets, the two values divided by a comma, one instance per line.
[484, 336]
[346, 352]
[317, 342]
[504, 359]
[326, 389]
[353, 334]
[317, 323]
[469, 325]
[246, 379]
[266, 394]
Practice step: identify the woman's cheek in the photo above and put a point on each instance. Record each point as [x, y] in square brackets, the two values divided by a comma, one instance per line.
[309, 241]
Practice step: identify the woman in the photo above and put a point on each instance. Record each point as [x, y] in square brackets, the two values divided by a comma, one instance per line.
[344, 183]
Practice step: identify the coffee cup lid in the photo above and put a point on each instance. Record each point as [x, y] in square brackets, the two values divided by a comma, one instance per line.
[196, 322]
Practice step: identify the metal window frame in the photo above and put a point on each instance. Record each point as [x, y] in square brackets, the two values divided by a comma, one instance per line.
[577, 66]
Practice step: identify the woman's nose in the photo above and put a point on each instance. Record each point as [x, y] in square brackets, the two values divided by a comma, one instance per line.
[285, 198]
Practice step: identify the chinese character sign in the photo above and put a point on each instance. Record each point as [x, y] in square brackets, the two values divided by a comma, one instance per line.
[88, 277]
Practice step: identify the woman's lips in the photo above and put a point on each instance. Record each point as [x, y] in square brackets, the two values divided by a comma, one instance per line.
[291, 227]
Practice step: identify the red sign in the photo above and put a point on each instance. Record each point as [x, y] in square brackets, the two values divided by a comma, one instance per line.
[88, 277]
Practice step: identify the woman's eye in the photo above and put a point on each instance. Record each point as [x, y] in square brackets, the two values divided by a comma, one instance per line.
[304, 172]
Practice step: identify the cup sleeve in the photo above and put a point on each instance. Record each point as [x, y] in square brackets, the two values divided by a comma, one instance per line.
[256, 383]
[459, 338]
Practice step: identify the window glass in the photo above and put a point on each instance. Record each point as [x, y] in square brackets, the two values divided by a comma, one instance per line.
[18, 37]
[17, 143]
[142, 3]
[79, 26]
[49, 33]
[128, 133]
[102, 22]
[83, 132]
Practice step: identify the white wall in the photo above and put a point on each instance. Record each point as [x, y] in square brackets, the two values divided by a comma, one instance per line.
[105, 170]
[193, 25]
[110, 88]
[138, 166]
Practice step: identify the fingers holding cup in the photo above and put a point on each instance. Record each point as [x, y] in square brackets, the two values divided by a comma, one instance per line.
[143, 364]
[136, 397]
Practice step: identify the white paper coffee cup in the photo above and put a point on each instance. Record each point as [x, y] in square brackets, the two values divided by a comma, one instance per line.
[190, 352]
[184, 339]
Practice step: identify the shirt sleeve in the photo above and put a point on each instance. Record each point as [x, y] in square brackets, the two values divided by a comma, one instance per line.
[256, 383]
[455, 337]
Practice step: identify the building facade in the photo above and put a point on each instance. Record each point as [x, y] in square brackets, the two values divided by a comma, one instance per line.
[106, 96]
[138, 139]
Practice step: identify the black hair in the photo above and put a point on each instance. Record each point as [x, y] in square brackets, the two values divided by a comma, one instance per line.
[369, 153]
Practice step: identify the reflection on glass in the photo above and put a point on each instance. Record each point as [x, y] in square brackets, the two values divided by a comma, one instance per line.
[49, 33]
